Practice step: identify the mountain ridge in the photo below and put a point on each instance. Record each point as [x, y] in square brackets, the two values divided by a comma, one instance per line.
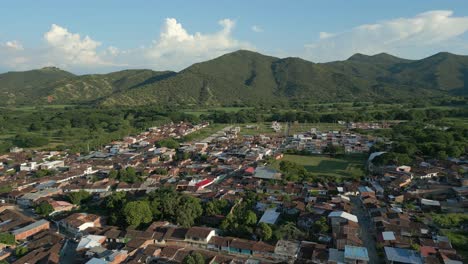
[247, 77]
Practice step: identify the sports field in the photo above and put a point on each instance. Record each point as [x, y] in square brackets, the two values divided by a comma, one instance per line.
[343, 166]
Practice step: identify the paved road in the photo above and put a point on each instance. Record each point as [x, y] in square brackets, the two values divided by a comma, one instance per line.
[68, 253]
[366, 231]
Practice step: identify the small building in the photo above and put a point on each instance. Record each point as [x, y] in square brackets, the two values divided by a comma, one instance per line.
[31, 229]
[52, 165]
[399, 255]
[356, 255]
[343, 215]
[270, 216]
[199, 235]
[287, 250]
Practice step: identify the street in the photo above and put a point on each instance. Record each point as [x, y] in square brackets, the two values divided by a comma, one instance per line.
[366, 231]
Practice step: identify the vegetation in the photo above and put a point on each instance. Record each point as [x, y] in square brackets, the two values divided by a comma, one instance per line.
[137, 212]
[440, 140]
[194, 258]
[78, 197]
[163, 204]
[20, 251]
[264, 231]
[320, 167]
[246, 78]
[44, 208]
[128, 175]
[7, 238]
[168, 143]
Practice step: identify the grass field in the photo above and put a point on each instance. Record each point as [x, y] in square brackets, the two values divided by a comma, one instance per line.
[265, 128]
[343, 166]
[199, 112]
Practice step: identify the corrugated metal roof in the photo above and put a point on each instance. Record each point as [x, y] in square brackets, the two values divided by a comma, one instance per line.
[403, 255]
[358, 253]
[29, 227]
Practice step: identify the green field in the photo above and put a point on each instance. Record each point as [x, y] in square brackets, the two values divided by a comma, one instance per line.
[205, 111]
[204, 132]
[343, 166]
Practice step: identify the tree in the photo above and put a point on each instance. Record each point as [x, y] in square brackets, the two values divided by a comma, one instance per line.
[194, 258]
[288, 231]
[250, 218]
[78, 197]
[7, 238]
[29, 140]
[321, 225]
[44, 208]
[188, 210]
[20, 251]
[168, 143]
[264, 231]
[137, 212]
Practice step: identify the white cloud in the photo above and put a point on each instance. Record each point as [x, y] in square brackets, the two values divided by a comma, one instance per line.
[13, 45]
[114, 51]
[414, 37]
[71, 48]
[176, 48]
[257, 29]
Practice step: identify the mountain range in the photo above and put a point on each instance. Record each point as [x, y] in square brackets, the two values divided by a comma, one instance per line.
[246, 77]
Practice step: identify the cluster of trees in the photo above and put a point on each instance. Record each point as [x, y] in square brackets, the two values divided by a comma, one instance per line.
[162, 204]
[242, 222]
[7, 238]
[77, 198]
[168, 143]
[29, 140]
[324, 115]
[412, 139]
[81, 127]
[293, 171]
[128, 175]
[194, 258]
[44, 173]
[450, 220]
[217, 207]
[44, 208]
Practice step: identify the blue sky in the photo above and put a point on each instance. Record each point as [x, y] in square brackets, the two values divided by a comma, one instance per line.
[102, 36]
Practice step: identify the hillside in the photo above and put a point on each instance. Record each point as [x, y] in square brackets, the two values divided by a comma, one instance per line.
[19, 87]
[248, 77]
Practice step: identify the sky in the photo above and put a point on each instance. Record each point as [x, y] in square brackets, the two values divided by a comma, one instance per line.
[101, 36]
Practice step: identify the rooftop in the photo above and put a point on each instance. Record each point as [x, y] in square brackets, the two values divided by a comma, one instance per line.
[344, 215]
[358, 253]
[403, 255]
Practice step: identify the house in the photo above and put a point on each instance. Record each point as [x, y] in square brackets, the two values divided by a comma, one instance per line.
[31, 229]
[199, 235]
[287, 250]
[29, 199]
[29, 166]
[52, 165]
[61, 206]
[90, 241]
[343, 215]
[399, 255]
[78, 222]
[356, 255]
[366, 191]
[270, 216]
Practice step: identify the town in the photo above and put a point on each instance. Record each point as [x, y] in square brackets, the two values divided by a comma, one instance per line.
[231, 197]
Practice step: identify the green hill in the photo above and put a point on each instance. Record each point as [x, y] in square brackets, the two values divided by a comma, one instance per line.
[248, 77]
[20, 87]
